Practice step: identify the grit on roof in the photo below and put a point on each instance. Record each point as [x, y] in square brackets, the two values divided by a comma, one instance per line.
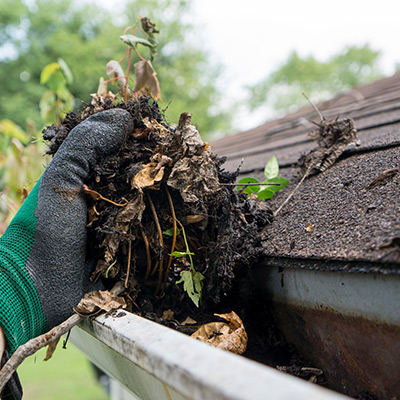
[349, 215]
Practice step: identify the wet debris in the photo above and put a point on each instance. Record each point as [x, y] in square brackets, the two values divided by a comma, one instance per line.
[332, 137]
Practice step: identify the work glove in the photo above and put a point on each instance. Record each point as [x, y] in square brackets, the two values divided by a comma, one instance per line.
[43, 266]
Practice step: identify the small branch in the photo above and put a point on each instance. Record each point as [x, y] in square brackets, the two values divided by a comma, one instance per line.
[33, 345]
[294, 191]
[314, 106]
[157, 222]
[171, 206]
[128, 268]
[147, 246]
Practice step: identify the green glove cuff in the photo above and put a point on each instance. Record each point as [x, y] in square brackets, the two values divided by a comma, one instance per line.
[21, 315]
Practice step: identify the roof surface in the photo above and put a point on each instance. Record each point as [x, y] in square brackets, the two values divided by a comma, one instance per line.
[344, 213]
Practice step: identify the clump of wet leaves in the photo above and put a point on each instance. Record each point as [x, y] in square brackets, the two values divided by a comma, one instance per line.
[161, 217]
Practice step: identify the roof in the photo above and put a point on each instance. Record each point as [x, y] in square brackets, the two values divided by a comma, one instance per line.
[350, 215]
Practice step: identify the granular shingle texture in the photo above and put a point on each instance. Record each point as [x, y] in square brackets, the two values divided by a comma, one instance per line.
[351, 212]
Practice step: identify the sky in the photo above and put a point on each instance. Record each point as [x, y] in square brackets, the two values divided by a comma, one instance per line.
[252, 38]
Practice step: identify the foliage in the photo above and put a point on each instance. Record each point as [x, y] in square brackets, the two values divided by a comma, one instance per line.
[58, 100]
[282, 89]
[192, 280]
[265, 192]
[21, 154]
[86, 37]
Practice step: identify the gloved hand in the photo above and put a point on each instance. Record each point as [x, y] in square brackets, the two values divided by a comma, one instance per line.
[43, 272]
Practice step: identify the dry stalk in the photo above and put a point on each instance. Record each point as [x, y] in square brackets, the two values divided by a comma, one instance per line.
[33, 345]
[171, 205]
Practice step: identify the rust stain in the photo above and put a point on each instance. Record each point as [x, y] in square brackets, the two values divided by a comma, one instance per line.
[357, 355]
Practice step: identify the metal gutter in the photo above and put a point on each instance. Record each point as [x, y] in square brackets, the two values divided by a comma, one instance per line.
[347, 324]
[154, 362]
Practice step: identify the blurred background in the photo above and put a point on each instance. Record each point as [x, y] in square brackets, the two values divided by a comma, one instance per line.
[232, 64]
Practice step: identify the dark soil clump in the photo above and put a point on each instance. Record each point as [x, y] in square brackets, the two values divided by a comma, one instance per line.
[164, 174]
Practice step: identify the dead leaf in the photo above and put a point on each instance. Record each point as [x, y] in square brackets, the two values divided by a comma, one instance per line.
[332, 138]
[309, 227]
[148, 176]
[133, 211]
[189, 321]
[194, 177]
[168, 315]
[102, 300]
[229, 336]
[146, 80]
[51, 348]
[115, 70]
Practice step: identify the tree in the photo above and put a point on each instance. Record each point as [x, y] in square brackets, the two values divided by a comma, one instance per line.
[320, 80]
[87, 37]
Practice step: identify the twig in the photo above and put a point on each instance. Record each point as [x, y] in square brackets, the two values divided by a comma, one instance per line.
[33, 345]
[147, 246]
[157, 222]
[171, 206]
[128, 269]
[294, 191]
[314, 106]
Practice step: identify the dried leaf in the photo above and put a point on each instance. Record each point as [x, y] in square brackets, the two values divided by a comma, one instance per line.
[188, 321]
[309, 227]
[148, 177]
[115, 70]
[194, 177]
[332, 138]
[168, 315]
[51, 348]
[94, 302]
[230, 336]
[146, 80]
[133, 211]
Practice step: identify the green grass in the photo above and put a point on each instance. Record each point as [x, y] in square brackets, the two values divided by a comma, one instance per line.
[67, 375]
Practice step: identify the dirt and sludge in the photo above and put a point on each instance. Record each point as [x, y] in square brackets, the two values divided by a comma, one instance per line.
[165, 220]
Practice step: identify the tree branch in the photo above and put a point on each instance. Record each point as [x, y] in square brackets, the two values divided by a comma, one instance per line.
[33, 345]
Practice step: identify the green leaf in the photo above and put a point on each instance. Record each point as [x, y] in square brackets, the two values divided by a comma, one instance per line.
[48, 71]
[192, 284]
[132, 40]
[282, 183]
[181, 254]
[265, 194]
[170, 232]
[271, 169]
[249, 189]
[66, 70]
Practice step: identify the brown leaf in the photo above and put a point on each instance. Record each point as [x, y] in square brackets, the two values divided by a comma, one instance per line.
[115, 70]
[102, 300]
[309, 227]
[51, 348]
[332, 138]
[230, 336]
[148, 176]
[146, 80]
[188, 321]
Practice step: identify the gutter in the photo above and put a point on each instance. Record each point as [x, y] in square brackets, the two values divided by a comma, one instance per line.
[345, 323]
[153, 362]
